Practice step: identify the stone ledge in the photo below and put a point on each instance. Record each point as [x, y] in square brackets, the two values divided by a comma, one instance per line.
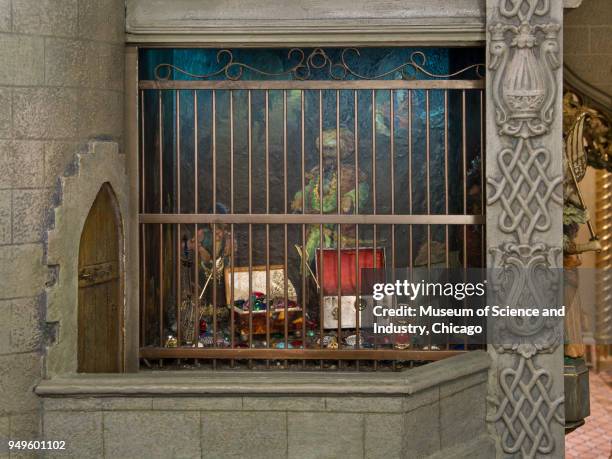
[181, 383]
[239, 22]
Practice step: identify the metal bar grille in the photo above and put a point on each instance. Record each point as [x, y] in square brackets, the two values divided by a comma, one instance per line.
[261, 191]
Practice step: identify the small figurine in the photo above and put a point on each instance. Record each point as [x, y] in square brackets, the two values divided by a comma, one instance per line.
[171, 341]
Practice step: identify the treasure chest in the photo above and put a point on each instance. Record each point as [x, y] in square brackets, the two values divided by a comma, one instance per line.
[261, 309]
[345, 281]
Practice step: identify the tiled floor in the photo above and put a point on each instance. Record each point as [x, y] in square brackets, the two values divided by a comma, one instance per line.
[594, 439]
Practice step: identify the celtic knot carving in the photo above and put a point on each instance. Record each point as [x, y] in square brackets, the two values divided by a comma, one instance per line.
[526, 276]
[527, 410]
[525, 198]
[524, 190]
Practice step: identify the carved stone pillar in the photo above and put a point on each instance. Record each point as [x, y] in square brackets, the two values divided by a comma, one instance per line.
[524, 219]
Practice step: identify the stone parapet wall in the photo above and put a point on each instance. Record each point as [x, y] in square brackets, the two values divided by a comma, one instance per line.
[417, 413]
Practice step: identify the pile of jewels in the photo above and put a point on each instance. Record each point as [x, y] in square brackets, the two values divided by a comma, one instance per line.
[348, 338]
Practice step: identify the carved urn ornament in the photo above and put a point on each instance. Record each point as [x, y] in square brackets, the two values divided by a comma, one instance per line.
[524, 79]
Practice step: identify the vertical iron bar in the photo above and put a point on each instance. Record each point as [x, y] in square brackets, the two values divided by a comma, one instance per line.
[427, 174]
[358, 293]
[374, 196]
[428, 187]
[232, 319]
[446, 205]
[285, 276]
[464, 171]
[482, 179]
[196, 153]
[142, 155]
[410, 231]
[214, 226]
[392, 148]
[339, 228]
[410, 176]
[196, 205]
[250, 144]
[143, 286]
[267, 145]
[179, 295]
[143, 210]
[161, 231]
[304, 255]
[321, 227]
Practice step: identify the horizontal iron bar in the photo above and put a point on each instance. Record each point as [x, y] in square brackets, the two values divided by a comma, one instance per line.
[293, 354]
[277, 219]
[313, 84]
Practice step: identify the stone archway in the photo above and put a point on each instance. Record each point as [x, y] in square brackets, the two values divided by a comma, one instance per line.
[99, 166]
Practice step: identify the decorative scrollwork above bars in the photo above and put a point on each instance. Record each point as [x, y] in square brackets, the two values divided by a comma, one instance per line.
[319, 60]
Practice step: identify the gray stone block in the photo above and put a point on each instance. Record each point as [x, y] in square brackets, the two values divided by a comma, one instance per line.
[197, 403]
[5, 327]
[28, 164]
[102, 21]
[592, 12]
[462, 415]
[240, 435]
[23, 59]
[65, 62]
[57, 157]
[5, 216]
[82, 432]
[284, 403]
[4, 436]
[19, 373]
[594, 69]
[104, 66]
[46, 113]
[325, 435]
[29, 208]
[45, 17]
[21, 270]
[94, 65]
[422, 432]
[601, 39]
[6, 164]
[25, 328]
[421, 398]
[383, 436]
[480, 447]
[460, 384]
[72, 404]
[5, 15]
[151, 434]
[126, 403]
[365, 404]
[576, 40]
[6, 117]
[25, 426]
[100, 114]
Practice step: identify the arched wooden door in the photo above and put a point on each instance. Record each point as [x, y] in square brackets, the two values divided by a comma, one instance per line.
[100, 287]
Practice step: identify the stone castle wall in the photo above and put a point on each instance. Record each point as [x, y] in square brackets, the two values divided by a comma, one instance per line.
[61, 85]
[588, 42]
